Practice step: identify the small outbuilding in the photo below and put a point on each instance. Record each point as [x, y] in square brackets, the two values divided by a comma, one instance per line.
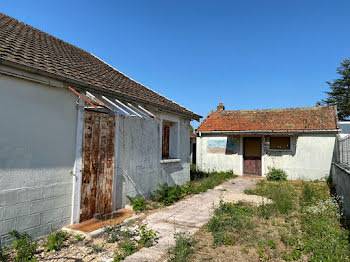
[300, 141]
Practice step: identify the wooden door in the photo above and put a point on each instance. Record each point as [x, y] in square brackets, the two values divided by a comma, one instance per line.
[98, 164]
[252, 156]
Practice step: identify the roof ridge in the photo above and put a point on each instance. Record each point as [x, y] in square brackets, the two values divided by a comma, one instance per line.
[274, 109]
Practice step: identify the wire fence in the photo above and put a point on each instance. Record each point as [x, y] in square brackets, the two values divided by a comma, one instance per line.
[344, 150]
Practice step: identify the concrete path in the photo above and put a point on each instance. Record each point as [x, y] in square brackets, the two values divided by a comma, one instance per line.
[190, 214]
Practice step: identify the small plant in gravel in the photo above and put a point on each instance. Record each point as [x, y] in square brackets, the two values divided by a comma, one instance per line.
[117, 232]
[55, 240]
[168, 194]
[24, 246]
[126, 249]
[146, 236]
[138, 203]
[97, 248]
[79, 237]
[184, 247]
[4, 255]
[276, 174]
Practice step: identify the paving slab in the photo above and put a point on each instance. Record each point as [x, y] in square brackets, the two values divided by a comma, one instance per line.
[190, 214]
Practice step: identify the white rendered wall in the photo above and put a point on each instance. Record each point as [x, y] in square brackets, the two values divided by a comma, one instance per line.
[310, 156]
[37, 152]
[219, 161]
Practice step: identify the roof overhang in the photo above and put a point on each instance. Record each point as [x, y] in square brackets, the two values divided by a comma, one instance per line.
[82, 86]
[272, 132]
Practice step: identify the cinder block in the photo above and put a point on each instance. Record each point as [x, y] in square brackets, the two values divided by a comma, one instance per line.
[57, 190]
[52, 215]
[57, 225]
[39, 231]
[6, 226]
[18, 210]
[5, 240]
[42, 205]
[29, 194]
[8, 197]
[28, 222]
[62, 201]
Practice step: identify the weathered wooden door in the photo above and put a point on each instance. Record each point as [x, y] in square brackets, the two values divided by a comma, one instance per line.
[98, 164]
[252, 156]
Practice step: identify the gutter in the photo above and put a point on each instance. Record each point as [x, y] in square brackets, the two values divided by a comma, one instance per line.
[100, 90]
[267, 132]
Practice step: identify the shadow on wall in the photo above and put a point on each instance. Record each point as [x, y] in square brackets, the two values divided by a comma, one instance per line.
[143, 184]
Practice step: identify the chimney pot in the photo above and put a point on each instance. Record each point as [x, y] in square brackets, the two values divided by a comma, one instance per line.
[220, 107]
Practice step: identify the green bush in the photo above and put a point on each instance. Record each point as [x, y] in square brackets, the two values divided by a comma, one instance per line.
[276, 174]
[55, 240]
[147, 236]
[183, 248]
[137, 203]
[24, 246]
[168, 194]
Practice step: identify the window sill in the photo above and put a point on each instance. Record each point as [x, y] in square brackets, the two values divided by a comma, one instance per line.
[167, 161]
[279, 150]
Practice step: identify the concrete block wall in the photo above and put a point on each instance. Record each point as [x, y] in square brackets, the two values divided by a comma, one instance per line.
[142, 173]
[35, 210]
[341, 179]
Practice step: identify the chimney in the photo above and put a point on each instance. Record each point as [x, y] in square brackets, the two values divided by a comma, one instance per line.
[220, 107]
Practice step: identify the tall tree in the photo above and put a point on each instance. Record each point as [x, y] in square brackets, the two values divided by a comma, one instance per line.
[340, 91]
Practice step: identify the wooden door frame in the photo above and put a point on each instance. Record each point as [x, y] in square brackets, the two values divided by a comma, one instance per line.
[242, 152]
[78, 170]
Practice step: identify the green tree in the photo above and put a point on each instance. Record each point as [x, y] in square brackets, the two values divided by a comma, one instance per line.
[340, 91]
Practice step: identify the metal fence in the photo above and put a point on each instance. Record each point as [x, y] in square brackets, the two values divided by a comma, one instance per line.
[344, 150]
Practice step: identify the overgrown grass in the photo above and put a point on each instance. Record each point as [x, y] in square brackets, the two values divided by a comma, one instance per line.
[302, 224]
[184, 247]
[167, 195]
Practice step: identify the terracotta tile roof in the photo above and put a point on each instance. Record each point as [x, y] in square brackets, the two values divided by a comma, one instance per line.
[306, 118]
[26, 45]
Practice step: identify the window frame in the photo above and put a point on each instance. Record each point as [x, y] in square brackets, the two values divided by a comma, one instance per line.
[281, 149]
[174, 143]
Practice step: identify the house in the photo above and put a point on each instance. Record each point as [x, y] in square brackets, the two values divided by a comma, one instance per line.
[77, 136]
[300, 141]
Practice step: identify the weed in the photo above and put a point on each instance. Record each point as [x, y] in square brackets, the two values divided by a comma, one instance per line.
[183, 248]
[137, 203]
[230, 221]
[276, 174]
[24, 246]
[78, 237]
[282, 193]
[116, 232]
[55, 240]
[294, 255]
[271, 244]
[266, 210]
[97, 248]
[4, 255]
[127, 248]
[147, 236]
[168, 194]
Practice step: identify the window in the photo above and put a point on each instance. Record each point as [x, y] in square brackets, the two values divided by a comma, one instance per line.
[280, 142]
[165, 140]
[170, 139]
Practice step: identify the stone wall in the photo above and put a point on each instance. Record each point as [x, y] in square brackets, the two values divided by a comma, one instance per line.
[341, 180]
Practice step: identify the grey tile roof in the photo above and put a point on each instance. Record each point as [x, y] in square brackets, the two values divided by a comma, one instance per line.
[26, 45]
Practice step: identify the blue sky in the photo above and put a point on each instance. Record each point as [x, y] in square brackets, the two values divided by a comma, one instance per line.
[247, 54]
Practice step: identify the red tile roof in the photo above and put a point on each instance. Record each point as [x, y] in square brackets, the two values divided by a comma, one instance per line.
[306, 118]
[26, 45]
